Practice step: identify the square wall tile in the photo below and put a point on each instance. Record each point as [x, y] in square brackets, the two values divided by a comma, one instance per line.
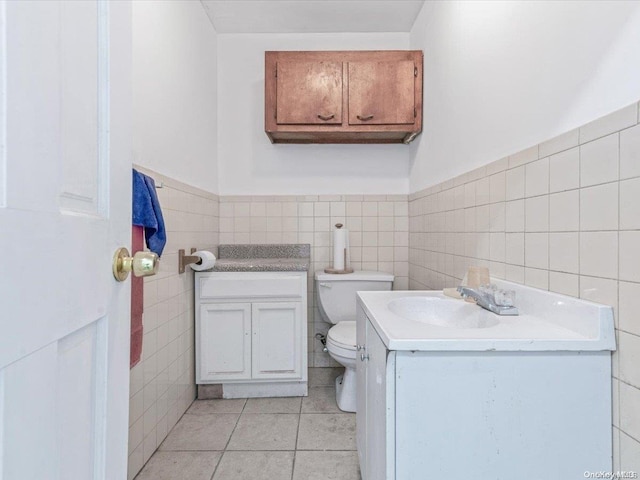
[514, 179]
[469, 194]
[599, 207]
[630, 152]
[599, 290]
[483, 246]
[401, 209]
[625, 117]
[305, 209]
[559, 143]
[630, 256]
[630, 409]
[525, 156]
[630, 204]
[470, 219]
[497, 247]
[537, 278]
[629, 453]
[629, 307]
[514, 216]
[564, 170]
[564, 211]
[497, 217]
[353, 209]
[483, 191]
[322, 209]
[564, 283]
[564, 251]
[338, 209]
[370, 209]
[514, 248]
[536, 250]
[599, 254]
[483, 218]
[537, 214]
[514, 273]
[537, 178]
[497, 187]
[258, 209]
[629, 353]
[599, 161]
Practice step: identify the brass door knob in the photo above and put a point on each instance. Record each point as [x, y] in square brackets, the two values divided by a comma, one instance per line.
[142, 264]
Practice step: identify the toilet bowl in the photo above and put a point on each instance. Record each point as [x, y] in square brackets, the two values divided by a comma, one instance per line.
[336, 299]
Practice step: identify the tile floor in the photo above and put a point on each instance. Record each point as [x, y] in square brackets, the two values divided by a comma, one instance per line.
[262, 438]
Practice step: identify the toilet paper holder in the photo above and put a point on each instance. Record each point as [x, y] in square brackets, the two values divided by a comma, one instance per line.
[184, 260]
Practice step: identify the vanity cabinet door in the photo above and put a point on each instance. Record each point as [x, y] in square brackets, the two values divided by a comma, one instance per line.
[277, 340]
[309, 93]
[382, 93]
[361, 386]
[224, 346]
[376, 467]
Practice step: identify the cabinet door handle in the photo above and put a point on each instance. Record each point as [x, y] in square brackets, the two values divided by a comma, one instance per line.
[364, 357]
[364, 118]
[359, 347]
[325, 117]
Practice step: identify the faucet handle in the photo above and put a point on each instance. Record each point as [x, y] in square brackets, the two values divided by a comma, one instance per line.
[505, 298]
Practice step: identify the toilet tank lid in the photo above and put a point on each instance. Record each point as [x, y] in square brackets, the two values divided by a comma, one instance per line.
[357, 276]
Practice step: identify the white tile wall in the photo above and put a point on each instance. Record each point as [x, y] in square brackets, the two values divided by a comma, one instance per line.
[163, 382]
[571, 224]
[378, 233]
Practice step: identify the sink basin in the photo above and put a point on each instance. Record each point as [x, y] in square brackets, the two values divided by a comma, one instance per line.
[442, 312]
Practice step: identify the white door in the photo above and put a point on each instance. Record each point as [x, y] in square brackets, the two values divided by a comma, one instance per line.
[277, 339]
[224, 343]
[65, 206]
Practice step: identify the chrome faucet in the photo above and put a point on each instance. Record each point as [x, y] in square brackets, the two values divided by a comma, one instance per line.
[487, 301]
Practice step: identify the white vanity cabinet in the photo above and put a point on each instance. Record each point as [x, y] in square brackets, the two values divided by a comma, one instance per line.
[434, 411]
[375, 409]
[251, 332]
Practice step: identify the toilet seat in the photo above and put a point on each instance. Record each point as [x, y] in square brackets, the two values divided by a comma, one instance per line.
[341, 339]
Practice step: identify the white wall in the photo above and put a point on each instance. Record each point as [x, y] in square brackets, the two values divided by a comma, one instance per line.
[250, 165]
[175, 94]
[502, 76]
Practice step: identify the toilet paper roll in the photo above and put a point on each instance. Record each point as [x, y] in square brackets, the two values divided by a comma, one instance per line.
[339, 245]
[347, 264]
[207, 260]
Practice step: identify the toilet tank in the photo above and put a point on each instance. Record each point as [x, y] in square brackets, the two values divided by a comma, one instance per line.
[336, 293]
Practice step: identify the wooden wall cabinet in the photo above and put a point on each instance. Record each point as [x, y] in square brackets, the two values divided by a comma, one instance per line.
[343, 96]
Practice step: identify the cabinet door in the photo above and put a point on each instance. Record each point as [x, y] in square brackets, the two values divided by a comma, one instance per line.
[224, 347]
[277, 340]
[361, 387]
[382, 93]
[376, 407]
[309, 93]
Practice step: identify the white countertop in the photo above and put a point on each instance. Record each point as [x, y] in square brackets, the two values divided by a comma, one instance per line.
[547, 322]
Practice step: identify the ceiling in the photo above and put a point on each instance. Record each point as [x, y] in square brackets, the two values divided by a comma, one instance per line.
[312, 16]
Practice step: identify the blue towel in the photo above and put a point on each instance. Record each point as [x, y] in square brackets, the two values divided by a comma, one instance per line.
[147, 212]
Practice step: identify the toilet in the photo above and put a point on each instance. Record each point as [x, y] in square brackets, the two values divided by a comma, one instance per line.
[336, 294]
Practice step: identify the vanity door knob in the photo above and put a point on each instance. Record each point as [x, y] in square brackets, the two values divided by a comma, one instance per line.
[364, 357]
[359, 347]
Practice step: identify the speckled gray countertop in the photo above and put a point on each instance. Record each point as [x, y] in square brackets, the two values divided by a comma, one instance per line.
[263, 258]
